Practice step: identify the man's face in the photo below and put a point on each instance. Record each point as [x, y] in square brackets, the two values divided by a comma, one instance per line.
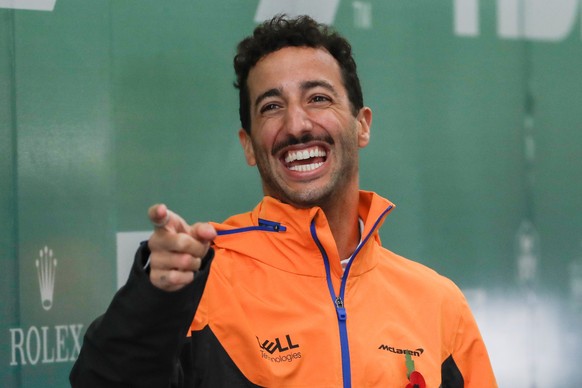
[304, 138]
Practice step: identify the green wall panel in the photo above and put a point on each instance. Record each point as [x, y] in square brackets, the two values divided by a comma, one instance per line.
[107, 107]
[9, 307]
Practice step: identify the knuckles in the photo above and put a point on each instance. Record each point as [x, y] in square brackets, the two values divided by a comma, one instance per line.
[177, 242]
[186, 262]
[179, 278]
[171, 280]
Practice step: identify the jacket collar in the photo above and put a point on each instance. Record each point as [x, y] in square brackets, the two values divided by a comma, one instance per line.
[292, 248]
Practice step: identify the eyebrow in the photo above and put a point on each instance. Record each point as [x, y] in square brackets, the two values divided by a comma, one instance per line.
[275, 92]
[318, 83]
[306, 85]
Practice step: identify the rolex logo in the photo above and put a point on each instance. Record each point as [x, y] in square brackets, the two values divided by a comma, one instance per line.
[40, 343]
[46, 268]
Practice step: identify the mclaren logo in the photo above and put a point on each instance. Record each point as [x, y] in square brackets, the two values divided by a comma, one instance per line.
[416, 353]
[46, 268]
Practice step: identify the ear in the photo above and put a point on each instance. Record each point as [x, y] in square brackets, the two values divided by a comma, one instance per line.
[364, 119]
[247, 145]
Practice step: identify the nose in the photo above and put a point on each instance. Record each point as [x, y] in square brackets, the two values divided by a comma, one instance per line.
[297, 121]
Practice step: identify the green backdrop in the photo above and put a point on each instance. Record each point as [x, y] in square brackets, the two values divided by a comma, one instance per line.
[109, 106]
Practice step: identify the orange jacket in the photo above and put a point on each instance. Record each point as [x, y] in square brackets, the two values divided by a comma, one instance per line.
[280, 305]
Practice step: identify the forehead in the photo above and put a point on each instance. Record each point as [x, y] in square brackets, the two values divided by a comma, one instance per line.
[292, 66]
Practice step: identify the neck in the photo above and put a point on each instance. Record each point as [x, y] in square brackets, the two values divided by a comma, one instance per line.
[342, 216]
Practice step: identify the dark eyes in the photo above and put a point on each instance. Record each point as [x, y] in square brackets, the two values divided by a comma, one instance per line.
[269, 107]
[320, 98]
[317, 99]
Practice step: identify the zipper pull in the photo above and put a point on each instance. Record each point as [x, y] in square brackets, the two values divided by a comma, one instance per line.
[274, 226]
[341, 311]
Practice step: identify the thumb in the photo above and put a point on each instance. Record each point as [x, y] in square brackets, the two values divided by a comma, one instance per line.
[203, 232]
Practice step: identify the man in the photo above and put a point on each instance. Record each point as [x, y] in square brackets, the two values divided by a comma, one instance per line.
[299, 291]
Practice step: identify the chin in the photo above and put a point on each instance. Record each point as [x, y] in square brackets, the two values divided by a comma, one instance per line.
[310, 198]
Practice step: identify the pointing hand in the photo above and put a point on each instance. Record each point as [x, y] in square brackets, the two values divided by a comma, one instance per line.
[176, 248]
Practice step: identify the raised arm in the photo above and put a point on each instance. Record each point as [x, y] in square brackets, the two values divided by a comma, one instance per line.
[138, 341]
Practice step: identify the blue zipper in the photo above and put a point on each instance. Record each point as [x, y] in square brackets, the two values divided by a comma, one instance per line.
[338, 300]
[264, 226]
[340, 310]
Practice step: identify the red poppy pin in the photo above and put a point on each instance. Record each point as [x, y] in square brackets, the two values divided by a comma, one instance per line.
[414, 377]
[416, 381]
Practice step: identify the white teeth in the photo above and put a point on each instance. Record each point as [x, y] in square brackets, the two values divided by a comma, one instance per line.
[306, 167]
[305, 154]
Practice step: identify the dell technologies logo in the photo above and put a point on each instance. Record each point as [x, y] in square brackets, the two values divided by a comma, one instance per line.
[285, 350]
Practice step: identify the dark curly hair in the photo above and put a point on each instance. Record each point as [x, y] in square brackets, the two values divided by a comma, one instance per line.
[303, 31]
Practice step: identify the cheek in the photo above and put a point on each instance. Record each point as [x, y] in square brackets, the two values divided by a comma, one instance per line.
[333, 122]
[260, 148]
[267, 139]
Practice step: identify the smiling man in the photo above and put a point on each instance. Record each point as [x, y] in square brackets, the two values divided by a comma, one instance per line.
[299, 291]
[304, 136]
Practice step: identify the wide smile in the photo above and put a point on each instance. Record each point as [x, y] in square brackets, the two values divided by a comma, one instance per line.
[305, 159]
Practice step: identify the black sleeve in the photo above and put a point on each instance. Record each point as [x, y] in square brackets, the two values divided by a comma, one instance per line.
[137, 342]
[451, 375]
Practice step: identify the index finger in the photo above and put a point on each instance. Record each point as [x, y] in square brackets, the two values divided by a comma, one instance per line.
[159, 215]
[163, 218]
